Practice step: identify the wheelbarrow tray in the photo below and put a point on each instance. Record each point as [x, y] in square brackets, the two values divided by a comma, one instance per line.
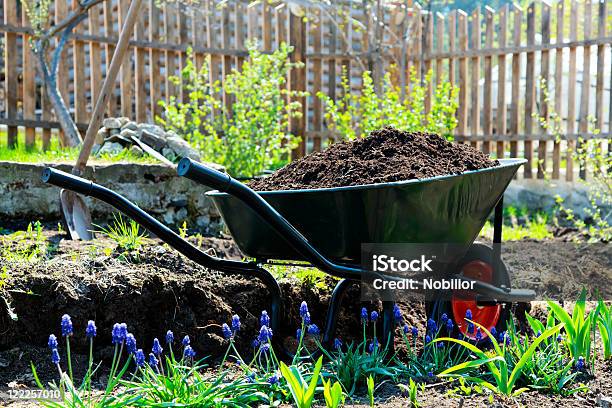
[443, 209]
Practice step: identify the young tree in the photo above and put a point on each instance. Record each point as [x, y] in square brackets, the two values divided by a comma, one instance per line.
[48, 60]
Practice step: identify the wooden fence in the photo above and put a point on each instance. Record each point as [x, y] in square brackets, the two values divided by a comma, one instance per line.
[565, 45]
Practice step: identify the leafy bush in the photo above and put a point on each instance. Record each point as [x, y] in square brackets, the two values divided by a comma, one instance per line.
[249, 136]
[357, 114]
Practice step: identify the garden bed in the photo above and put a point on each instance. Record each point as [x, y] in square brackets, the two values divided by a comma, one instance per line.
[158, 290]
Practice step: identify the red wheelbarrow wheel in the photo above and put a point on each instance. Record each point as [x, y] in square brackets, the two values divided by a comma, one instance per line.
[477, 264]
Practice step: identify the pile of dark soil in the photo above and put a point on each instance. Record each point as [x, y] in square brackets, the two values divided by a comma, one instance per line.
[386, 155]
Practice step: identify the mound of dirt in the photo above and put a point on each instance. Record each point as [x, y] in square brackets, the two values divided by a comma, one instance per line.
[386, 155]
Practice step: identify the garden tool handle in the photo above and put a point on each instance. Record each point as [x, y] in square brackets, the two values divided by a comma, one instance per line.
[204, 174]
[67, 181]
[107, 87]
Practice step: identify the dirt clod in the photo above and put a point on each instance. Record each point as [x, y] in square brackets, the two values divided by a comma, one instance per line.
[386, 155]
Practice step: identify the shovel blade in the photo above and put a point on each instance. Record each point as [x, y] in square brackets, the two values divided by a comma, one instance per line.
[76, 215]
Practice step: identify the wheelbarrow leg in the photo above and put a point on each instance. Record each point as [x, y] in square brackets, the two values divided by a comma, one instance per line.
[333, 309]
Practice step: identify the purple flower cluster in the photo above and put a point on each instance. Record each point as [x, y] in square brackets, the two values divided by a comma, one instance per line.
[120, 337]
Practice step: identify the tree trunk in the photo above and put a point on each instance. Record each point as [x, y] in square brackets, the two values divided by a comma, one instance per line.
[71, 132]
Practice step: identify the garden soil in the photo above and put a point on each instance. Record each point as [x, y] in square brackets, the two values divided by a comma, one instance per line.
[159, 290]
[386, 155]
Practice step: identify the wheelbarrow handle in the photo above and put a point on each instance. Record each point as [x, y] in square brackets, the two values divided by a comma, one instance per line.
[67, 181]
[204, 174]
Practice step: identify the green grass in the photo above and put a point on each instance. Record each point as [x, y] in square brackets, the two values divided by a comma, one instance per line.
[56, 153]
[520, 224]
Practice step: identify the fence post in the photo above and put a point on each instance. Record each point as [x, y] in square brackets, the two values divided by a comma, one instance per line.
[297, 79]
[11, 81]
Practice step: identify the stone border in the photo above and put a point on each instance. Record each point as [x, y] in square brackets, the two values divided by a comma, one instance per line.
[155, 188]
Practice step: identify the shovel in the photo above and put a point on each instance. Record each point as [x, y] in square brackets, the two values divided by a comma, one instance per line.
[74, 209]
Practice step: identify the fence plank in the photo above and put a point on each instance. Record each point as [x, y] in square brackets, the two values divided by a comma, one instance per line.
[29, 86]
[95, 59]
[501, 80]
[516, 78]
[140, 74]
[10, 75]
[439, 47]
[428, 44]
[544, 73]
[475, 77]
[297, 79]
[109, 49]
[487, 127]
[462, 120]
[530, 86]
[155, 84]
[266, 27]
[585, 89]
[452, 33]
[169, 21]
[571, 92]
[211, 41]
[317, 114]
[61, 9]
[601, 60]
[239, 32]
[80, 84]
[558, 89]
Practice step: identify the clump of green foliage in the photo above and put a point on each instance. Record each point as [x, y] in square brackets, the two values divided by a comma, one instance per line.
[356, 114]
[521, 225]
[250, 135]
[25, 246]
[127, 235]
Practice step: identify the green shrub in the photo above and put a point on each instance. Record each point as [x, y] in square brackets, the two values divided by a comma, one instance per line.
[249, 136]
[357, 114]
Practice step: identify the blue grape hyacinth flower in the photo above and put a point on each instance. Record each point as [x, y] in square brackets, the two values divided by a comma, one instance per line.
[52, 342]
[303, 309]
[427, 339]
[123, 331]
[406, 329]
[298, 334]
[91, 329]
[450, 325]
[153, 362]
[306, 318]
[397, 314]
[186, 341]
[364, 314]
[236, 323]
[157, 348]
[189, 352]
[337, 344]
[374, 316]
[580, 364]
[313, 330]
[130, 343]
[264, 334]
[415, 331]
[444, 317]
[66, 324]
[227, 332]
[432, 326]
[169, 337]
[264, 320]
[55, 358]
[139, 357]
[273, 379]
[468, 314]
